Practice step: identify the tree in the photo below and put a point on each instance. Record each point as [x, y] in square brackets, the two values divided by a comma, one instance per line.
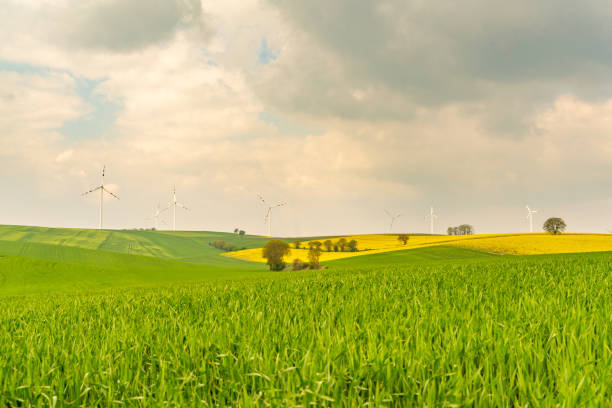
[465, 229]
[314, 253]
[328, 245]
[297, 243]
[236, 230]
[241, 232]
[450, 231]
[554, 225]
[274, 252]
[352, 245]
[403, 238]
[342, 244]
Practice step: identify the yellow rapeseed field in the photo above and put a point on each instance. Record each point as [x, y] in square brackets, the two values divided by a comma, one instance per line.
[533, 244]
[509, 244]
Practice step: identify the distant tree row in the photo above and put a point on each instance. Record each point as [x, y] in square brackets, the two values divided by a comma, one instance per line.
[225, 246]
[342, 245]
[463, 229]
[239, 231]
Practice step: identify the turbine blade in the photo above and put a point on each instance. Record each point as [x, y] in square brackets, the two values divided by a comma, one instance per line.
[92, 190]
[108, 192]
[261, 198]
[182, 206]
[279, 205]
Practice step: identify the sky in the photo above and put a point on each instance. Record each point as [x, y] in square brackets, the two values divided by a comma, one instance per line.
[342, 109]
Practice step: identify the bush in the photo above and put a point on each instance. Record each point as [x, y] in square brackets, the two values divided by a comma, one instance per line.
[224, 246]
[299, 265]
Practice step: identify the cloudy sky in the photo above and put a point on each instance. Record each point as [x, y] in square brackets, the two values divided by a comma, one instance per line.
[342, 109]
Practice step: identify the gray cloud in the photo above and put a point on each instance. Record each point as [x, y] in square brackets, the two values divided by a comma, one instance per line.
[442, 52]
[128, 25]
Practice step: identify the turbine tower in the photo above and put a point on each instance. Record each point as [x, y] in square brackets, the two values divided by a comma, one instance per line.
[432, 215]
[173, 205]
[268, 217]
[530, 213]
[393, 218]
[158, 212]
[102, 191]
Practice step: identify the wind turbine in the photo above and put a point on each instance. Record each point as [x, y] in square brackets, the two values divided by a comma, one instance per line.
[173, 205]
[393, 218]
[530, 213]
[268, 217]
[432, 215]
[102, 191]
[158, 212]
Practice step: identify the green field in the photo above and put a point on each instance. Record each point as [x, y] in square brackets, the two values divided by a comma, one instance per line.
[142, 318]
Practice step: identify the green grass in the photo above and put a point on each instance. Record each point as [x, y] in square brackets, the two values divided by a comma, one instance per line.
[420, 255]
[434, 326]
[185, 246]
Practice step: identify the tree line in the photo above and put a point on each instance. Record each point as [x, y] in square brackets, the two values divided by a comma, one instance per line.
[342, 245]
[225, 246]
[463, 229]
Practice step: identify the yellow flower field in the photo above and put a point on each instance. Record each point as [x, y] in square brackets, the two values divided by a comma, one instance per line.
[509, 244]
[533, 244]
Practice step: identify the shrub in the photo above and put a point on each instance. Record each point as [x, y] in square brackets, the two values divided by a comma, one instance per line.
[224, 246]
[299, 265]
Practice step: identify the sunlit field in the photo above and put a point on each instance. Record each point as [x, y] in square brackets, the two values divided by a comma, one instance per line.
[435, 325]
[507, 244]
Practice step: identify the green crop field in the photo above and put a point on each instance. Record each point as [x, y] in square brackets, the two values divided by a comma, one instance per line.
[143, 318]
